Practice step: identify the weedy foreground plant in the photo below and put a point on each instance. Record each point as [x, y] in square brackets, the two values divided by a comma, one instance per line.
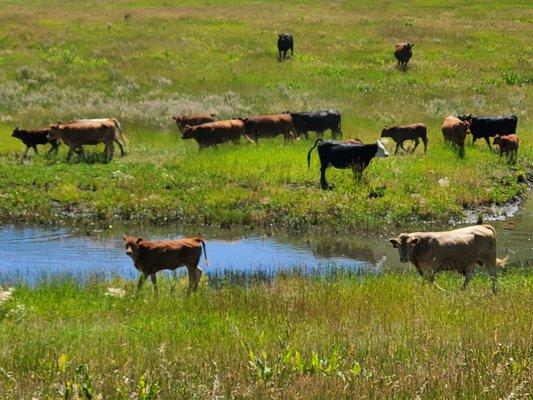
[385, 336]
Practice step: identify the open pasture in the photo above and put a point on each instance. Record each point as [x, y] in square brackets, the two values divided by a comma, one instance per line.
[145, 62]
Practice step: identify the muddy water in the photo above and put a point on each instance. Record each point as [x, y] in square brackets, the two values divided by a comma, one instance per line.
[32, 254]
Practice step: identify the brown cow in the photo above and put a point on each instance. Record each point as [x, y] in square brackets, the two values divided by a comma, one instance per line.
[34, 137]
[269, 126]
[193, 120]
[407, 132]
[120, 139]
[508, 145]
[403, 53]
[454, 130]
[152, 257]
[214, 133]
[457, 250]
[77, 134]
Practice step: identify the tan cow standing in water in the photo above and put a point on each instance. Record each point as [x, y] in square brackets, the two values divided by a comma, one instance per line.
[457, 250]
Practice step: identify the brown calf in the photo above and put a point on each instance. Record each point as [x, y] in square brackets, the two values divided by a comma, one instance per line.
[214, 133]
[34, 137]
[152, 257]
[407, 132]
[454, 130]
[77, 134]
[508, 145]
[193, 120]
[269, 126]
[403, 53]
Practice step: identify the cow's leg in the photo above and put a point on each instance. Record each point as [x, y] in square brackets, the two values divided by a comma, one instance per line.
[469, 274]
[70, 151]
[292, 51]
[488, 142]
[323, 181]
[195, 273]
[35, 149]
[54, 147]
[403, 148]
[397, 147]
[279, 51]
[425, 140]
[26, 152]
[417, 142]
[140, 283]
[153, 278]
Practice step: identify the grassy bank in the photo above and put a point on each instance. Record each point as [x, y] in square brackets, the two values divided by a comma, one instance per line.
[350, 337]
[60, 61]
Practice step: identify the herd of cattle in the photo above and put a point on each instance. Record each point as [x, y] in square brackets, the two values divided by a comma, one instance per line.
[458, 250]
[207, 130]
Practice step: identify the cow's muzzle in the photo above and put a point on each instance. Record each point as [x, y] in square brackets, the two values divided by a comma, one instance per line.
[404, 259]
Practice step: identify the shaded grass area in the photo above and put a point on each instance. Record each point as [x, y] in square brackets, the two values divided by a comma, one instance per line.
[84, 59]
[364, 337]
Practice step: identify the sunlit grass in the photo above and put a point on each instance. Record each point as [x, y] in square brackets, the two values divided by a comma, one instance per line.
[386, 336]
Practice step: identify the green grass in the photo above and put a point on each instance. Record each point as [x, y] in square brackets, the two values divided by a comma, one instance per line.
[346, 337]
[60, 61]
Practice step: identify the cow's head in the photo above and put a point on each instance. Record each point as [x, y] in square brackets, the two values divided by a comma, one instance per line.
[188, 132]
[214, 115]
[53, 133]
[382, 151]
[465, 117]
[405, 243]
[465, 126]
[132, 246]
[177, 119]
[385, 132]
[16, 132]
[497, 139]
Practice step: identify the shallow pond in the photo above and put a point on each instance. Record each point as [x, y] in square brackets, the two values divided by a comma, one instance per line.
[30, 254]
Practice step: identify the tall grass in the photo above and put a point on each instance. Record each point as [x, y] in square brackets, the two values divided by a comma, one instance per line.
[348, 337]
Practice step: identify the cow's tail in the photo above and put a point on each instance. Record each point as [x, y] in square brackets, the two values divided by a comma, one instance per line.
[309, 154]
[205, 252]
[501, 262]
[121, 135]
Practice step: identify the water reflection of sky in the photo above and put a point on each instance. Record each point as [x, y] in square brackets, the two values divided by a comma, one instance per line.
[30, 254]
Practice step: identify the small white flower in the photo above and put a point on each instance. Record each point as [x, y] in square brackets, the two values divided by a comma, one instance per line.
[5, 295]
[444, 182]
[115, 292]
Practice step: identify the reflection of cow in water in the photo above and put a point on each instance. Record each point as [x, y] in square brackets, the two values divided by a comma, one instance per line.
[323, 249]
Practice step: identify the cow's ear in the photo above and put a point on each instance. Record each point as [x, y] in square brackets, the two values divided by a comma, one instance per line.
[124, 238]
[139, 240]
[412, 44]
[414, 241]
[17, 129]
[394, 242]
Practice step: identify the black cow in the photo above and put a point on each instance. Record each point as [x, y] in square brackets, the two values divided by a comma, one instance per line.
[34, 137]
[285, 43]
[345, 155]
[317, 121]
[489, 126]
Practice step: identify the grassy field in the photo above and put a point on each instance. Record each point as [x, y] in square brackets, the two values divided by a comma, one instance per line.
[85, 59]
[349, 337]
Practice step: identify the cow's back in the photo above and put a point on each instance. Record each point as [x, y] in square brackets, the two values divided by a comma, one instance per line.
[168, 254]
[86, 133]
[456, 249]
